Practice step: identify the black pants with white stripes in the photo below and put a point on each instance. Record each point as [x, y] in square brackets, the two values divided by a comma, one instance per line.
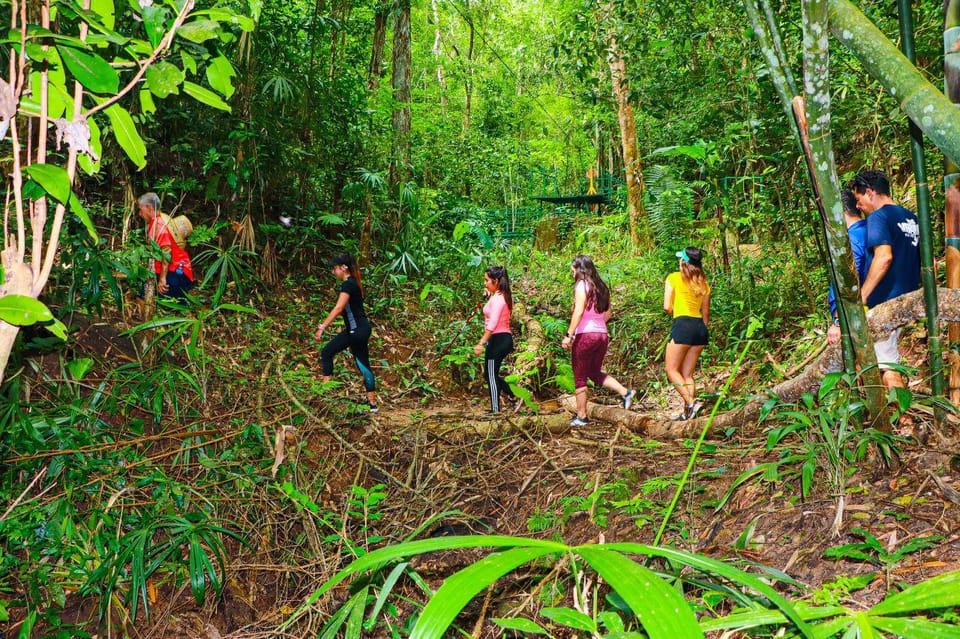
[499, 346]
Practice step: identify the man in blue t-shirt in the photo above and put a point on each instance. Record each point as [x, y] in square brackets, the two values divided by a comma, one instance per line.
[893, 240]
[857, 232]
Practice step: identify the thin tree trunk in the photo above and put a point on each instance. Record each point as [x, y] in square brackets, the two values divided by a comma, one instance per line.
[438, 55]
[632, 164]
[375, 72]
[823, 174]
[927, 276]
[468, 79]
[399, 169]
[951, 173]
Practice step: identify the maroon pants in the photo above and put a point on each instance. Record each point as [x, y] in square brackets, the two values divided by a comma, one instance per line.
[587, 356]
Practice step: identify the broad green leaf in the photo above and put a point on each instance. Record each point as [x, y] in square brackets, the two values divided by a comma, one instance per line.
[220, 74]
[662, 610]
[226, 16]
[163, 79]
[90, 70]
[146, 102]
[53, 179]
[189, 64]
[205, 96]
[724, 570]
[916, 628]
[56, 105]
[78, 368]
[570, 618]
[865, 629]
[127, 136]
[458, 589]
[57, 328]
[154, 21]
[522, 625]
[21, 310]
[77, 209]
[106, 10]
[199, 30]
[942, 591]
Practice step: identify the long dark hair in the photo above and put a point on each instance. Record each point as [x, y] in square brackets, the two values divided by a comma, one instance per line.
[598, 293]
[691, 270]
[347, 260]
[499, 274]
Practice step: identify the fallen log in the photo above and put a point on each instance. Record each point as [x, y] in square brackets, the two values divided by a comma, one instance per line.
[532, 356]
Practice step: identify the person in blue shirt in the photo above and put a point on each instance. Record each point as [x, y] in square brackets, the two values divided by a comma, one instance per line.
[857, 232]
[893, 243]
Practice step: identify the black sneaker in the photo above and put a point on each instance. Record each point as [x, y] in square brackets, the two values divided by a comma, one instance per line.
[681, 417]
[627, 399]
[373, 408]
[578, 421]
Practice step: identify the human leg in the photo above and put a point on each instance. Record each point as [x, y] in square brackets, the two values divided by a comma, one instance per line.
[888, 352]
[673, 362]
[580, 361]
[339, 343]
[498, 348]
[360, 348]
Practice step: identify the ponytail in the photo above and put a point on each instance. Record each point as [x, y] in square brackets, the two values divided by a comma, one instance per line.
[499, 273]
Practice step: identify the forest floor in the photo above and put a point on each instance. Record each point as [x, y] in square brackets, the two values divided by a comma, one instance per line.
[449, 468]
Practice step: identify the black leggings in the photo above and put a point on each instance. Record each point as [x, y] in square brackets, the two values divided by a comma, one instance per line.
[357, 342]
[499, 346]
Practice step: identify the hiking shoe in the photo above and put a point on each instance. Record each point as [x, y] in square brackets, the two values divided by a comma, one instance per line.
[627, 399]
[374, 408]
[578, 421]
[694, 409]
[680, 417]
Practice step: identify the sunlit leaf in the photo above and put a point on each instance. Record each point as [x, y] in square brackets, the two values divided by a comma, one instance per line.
[127, 136]
[90, 70]
[21, 310]
[163, 79]
[205, 96]
[220, 74]
[521, 625]
[199, 30]
[942, 591]
[54, 180]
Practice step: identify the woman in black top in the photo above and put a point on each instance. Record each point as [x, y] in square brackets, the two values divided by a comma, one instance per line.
[356, 332]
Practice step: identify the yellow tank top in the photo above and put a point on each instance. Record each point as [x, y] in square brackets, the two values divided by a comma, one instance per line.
[686, 303]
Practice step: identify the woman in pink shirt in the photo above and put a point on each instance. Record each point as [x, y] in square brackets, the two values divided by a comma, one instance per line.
[587, 337]
[497, 340]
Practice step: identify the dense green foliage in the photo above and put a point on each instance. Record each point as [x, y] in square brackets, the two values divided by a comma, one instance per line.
[130, 478]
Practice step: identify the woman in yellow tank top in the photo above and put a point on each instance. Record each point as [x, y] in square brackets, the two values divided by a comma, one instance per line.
[686, 296]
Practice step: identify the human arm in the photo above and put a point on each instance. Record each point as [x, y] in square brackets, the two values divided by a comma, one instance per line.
[579, 306]
[705, 307]
[478, 349]
[342, 300]
[882, 259]
[668, 297]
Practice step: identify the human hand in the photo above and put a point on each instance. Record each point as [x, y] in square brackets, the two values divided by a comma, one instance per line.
[833, 334]
[162, 285]
[319, 333]
[478, 349]
[566, 343]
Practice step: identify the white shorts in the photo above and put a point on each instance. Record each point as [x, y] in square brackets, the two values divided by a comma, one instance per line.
[886, 350]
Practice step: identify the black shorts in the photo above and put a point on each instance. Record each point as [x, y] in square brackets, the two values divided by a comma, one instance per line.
[689, 331]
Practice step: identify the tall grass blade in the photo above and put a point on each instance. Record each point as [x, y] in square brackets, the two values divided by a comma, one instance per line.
[458, 589]
[942, 591]
[662, 610]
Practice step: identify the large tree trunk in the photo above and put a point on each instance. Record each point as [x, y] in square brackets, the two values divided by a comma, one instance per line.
[818, 148]
[633, 168]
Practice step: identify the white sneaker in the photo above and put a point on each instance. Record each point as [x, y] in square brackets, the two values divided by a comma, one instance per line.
[627, 399]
